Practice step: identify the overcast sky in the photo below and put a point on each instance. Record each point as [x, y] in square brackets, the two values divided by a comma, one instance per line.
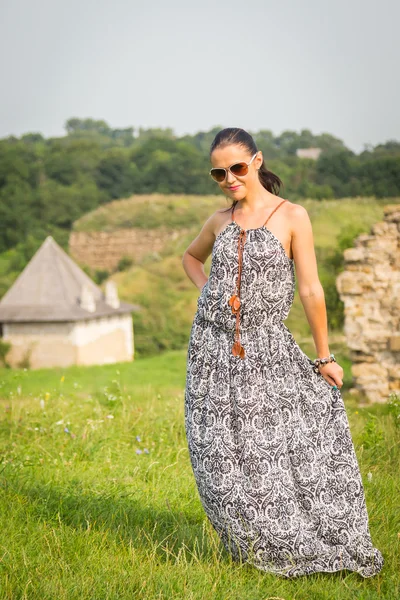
[329, 66]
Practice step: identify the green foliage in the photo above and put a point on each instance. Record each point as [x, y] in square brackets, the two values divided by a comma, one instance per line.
[21, 254]
[5, 348]
[333, 168]
[379, 176]
[394, 409]
[97, 275]
[154, 211]
[372, 435]
[332, 263]
[124, 263]
[100, 275]
[115, 174]
[13, 261]
[327, 276]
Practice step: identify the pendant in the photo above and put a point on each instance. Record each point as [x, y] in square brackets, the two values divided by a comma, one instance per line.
[234, 303]
[238, 350]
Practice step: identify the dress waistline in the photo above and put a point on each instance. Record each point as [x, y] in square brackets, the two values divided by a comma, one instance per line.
[231, 327]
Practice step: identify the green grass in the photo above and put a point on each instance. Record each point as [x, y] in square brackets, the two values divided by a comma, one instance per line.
[84, 516]
[151, 211]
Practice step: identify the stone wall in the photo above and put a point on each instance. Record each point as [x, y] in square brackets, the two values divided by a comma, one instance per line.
[103, 250]
[370, 289]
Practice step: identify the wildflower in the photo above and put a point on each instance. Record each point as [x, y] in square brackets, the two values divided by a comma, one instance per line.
[139, 451]
[146, 450]
[62, 379]
[73, 435]
[369, 476]
[138, 439]
[19, 390]
[356, 412]
[42, 404]
[47, 396]
[66, 429]
[110, 416]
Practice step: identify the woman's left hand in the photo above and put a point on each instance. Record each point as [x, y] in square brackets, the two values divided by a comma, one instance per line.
[332, 372]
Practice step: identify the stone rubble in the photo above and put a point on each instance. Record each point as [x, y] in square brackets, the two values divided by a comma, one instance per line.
[369, 286]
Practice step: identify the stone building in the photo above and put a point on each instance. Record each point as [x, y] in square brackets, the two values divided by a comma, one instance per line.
[370, 289]
[55, 315]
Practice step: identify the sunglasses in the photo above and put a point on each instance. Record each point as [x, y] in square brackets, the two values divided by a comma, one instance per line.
[239, 169]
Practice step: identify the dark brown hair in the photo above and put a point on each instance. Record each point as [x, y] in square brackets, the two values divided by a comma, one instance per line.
[236, 135]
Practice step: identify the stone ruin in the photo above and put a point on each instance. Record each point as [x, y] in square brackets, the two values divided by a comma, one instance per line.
[370, 289]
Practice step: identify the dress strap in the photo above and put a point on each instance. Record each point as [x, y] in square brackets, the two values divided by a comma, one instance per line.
[276, 208]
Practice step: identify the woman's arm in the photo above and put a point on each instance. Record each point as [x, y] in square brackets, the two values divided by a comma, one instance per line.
[311, 291]
[197, 253]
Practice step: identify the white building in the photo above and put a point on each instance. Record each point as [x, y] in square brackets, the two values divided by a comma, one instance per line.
[308, 153]
[55, 315]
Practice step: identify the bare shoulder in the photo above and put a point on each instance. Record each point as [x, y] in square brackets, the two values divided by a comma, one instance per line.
[201, 246]
[217, 221]
[221, 218]
[298, 217]
[294, 210]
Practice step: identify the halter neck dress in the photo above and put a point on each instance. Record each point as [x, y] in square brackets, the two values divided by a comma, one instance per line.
[268, 437]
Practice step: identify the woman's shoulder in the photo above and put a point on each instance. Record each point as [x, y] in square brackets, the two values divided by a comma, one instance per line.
[295, 211]
[290, 206]
[298, 218]
[220, 219]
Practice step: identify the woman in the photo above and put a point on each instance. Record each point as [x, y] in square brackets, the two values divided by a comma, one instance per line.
[267, 430]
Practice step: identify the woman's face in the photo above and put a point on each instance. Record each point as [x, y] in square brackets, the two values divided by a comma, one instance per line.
[234, 186]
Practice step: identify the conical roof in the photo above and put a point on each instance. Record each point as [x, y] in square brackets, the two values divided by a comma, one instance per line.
[52, 288]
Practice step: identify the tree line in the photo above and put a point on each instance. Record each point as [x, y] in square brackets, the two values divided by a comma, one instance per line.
[46, 184]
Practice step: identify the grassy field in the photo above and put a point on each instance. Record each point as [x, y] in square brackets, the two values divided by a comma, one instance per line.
[98, 499]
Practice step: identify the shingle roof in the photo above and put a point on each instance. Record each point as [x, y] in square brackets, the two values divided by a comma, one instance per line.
[50, 289]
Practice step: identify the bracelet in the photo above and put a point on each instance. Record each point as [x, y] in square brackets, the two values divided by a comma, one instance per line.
[323, 361]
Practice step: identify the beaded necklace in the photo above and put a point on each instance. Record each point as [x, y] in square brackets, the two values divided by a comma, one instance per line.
[234, 301]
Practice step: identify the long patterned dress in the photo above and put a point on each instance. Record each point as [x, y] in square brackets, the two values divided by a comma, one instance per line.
[268, 437]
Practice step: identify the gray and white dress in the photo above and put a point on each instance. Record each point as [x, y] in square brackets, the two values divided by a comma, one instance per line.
[268, 437]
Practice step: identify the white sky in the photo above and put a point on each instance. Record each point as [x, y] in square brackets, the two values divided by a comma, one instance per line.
[326, 66]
